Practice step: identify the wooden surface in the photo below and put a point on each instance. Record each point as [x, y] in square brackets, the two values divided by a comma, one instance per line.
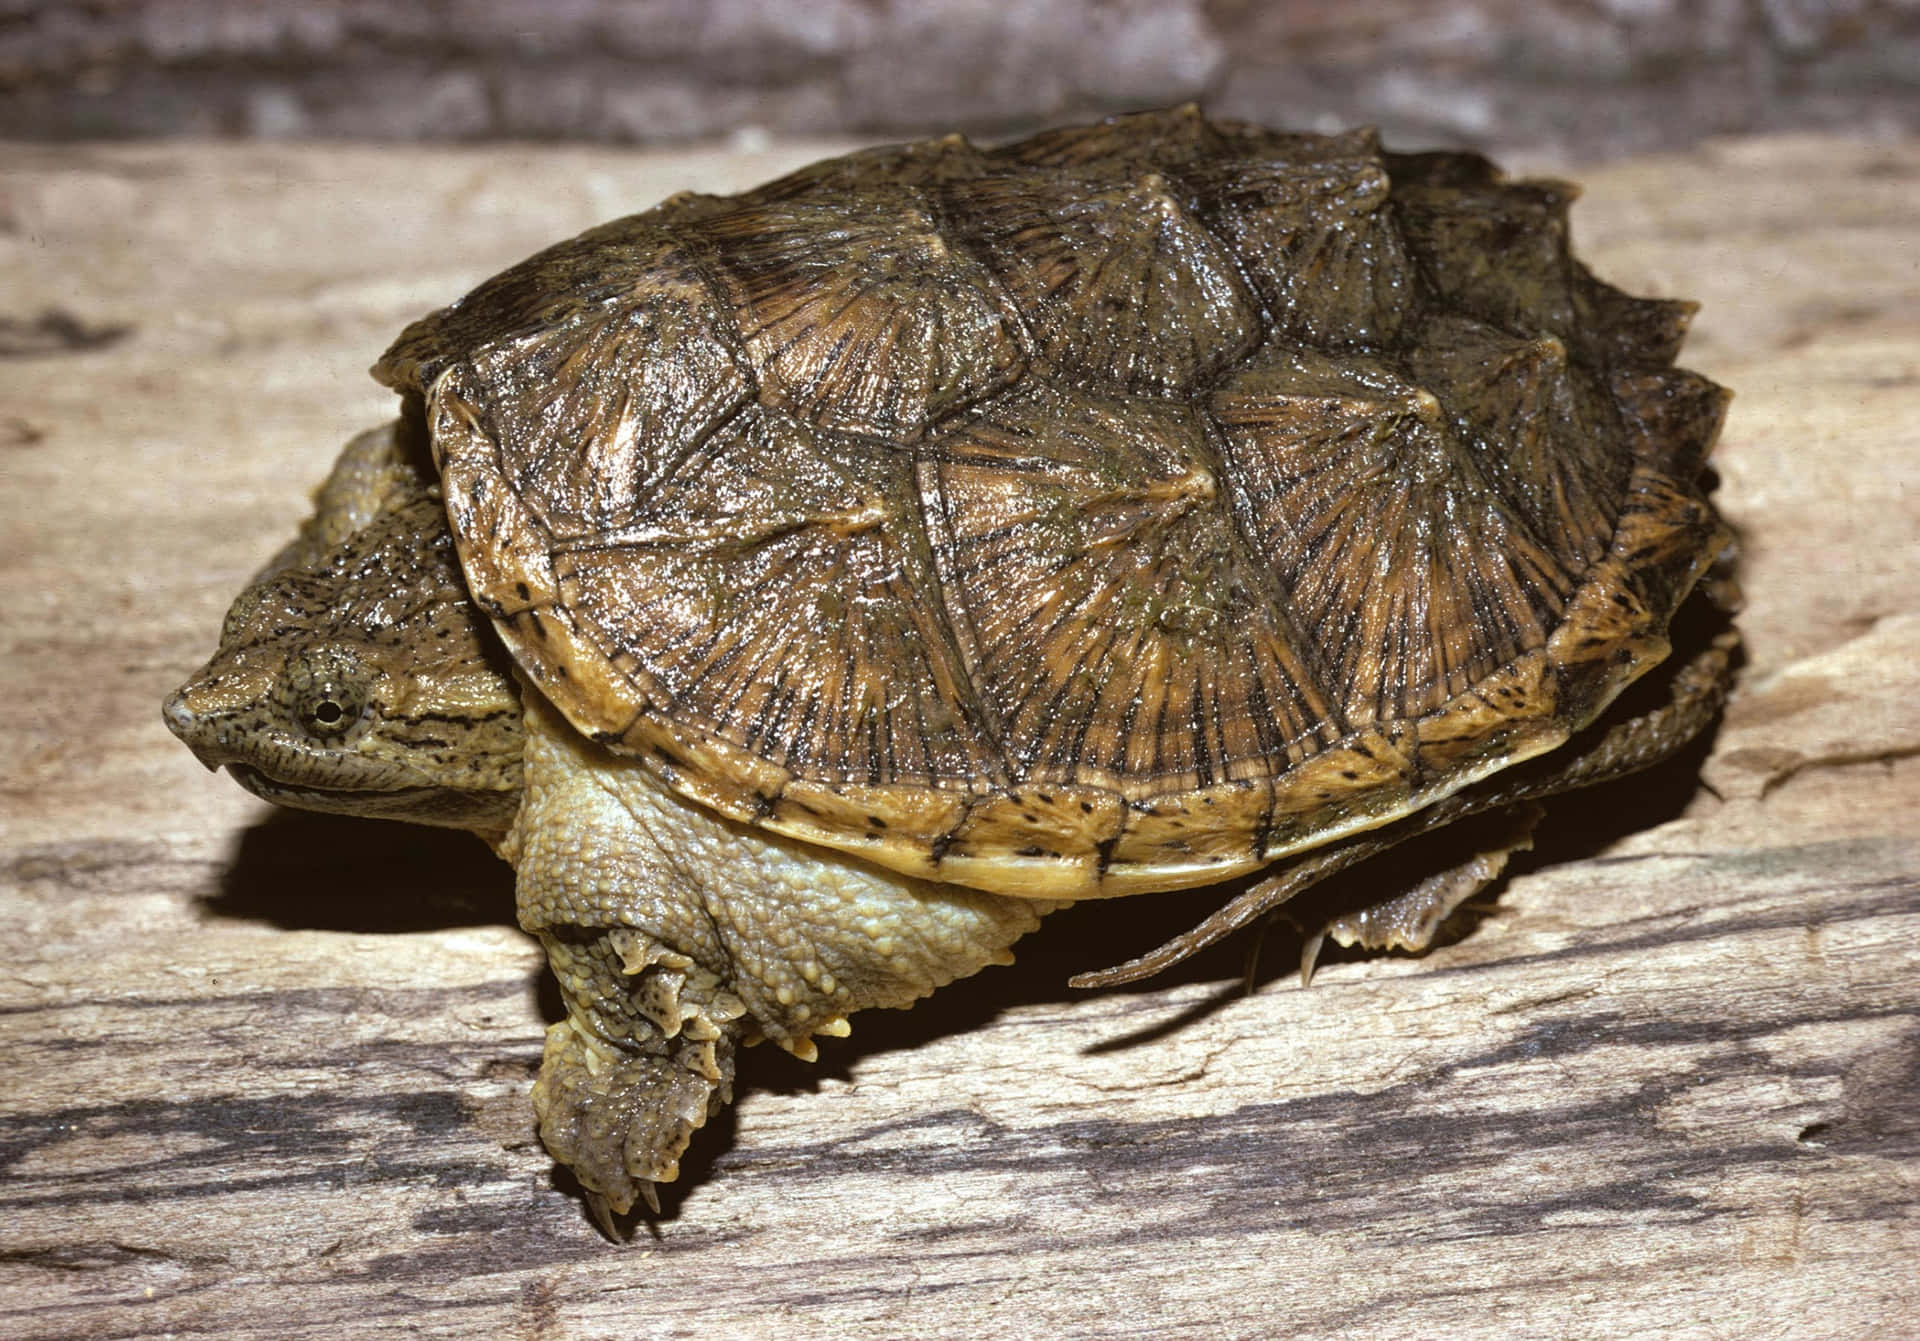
[265, 1075]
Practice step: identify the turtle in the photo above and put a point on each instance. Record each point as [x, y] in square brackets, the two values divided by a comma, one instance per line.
[808, 590]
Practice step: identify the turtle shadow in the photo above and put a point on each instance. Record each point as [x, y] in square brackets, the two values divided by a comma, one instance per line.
[1088, 936]
[302, 871]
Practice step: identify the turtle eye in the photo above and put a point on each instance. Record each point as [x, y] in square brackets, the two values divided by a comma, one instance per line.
[325, 691]
[327, 716]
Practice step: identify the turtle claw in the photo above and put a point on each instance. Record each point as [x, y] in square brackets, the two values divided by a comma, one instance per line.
[1310, 955]
[608, 1218]
[603, 1216]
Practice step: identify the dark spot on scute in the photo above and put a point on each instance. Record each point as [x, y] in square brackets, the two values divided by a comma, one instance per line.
[520, 589]
[876, 822]
[1086, 807]
[1029, 817]
[1349, 775]
[1032, 850]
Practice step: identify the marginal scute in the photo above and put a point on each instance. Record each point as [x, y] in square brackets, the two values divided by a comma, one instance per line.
[1617, 329]
[1668, 536]
[1615, 626]
[1674, 416]
[1507, 716]
[1364, 781]
[1442, 168]
[1189, 838]
[1045, 841]
[504, 545]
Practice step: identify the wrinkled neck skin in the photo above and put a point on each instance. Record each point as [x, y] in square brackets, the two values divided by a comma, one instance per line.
[353, 675]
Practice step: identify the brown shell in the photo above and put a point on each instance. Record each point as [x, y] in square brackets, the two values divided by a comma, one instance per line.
[1115, 510]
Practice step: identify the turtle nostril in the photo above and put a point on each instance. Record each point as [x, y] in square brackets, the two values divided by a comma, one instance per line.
[179, 717]
[195, 731]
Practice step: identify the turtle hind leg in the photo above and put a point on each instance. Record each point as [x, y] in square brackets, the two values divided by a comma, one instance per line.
[1410, 919]
[1689, 700]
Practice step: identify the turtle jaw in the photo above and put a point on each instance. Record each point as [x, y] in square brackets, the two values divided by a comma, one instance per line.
[337, 779]
[447, 807]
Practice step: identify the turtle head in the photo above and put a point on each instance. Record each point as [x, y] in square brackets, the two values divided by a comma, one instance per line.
[357, 678]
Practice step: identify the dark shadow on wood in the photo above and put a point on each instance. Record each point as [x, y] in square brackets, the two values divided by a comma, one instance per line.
[310, 872]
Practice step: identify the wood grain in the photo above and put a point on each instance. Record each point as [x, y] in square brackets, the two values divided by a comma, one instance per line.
[265, 1075]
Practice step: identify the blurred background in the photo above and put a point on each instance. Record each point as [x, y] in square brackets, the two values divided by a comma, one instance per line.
[1565, 78]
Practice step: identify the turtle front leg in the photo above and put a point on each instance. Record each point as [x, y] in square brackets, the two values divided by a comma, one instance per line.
[678, 935]
[643, 1059]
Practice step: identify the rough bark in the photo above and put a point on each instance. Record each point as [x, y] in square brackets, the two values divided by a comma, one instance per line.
[266, 1074]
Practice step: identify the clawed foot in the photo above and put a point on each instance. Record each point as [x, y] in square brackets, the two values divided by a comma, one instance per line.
[1411, 919]
[622, 1118]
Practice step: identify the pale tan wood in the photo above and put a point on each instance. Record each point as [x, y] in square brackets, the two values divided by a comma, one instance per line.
[266, 1075]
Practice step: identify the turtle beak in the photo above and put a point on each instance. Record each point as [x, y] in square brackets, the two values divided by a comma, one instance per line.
[181, 719]
[202, 714]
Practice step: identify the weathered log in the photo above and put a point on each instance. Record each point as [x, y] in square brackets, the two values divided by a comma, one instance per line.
[266, 1074]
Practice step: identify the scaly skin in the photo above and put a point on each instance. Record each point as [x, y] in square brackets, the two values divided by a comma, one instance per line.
[677, 934]
[352, 675]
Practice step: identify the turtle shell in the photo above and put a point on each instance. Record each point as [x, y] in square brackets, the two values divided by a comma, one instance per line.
[1119, 509]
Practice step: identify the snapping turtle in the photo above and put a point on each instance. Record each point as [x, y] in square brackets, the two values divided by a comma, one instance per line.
[807, 590]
